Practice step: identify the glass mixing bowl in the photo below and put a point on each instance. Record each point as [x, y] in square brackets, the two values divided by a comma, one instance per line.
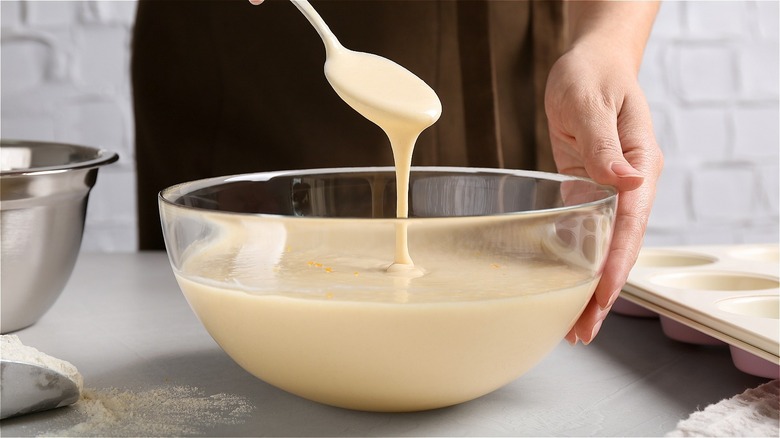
[288, 273]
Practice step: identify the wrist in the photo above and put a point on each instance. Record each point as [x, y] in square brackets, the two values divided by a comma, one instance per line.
[616, 30]
[595, 52]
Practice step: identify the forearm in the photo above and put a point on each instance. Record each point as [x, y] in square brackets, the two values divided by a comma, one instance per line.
[619, 28]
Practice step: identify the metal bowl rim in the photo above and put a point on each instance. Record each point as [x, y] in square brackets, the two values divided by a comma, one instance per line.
[103, 157]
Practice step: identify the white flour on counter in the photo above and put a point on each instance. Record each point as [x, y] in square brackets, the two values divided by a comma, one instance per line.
[166, 411]
[11, 348]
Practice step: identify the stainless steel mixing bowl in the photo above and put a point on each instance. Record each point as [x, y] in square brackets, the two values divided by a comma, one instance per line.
[44, 189]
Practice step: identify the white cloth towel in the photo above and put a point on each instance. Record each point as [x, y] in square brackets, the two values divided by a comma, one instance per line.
[753, 413]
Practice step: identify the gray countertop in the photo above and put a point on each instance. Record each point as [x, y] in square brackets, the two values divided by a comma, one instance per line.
[123, 322]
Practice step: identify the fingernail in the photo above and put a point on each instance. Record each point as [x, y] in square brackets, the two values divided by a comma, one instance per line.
[572, 341]
[611, 301]
[605, 305]
[603, 313]
[593, 333]
[624, 170]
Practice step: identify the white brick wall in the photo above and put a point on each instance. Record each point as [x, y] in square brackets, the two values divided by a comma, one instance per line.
[710, 74]
[65, 78]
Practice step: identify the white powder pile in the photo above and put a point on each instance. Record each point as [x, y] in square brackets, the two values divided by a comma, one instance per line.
[168, 411]
[11, 348]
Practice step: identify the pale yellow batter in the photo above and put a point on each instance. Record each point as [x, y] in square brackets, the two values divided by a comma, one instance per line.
[385, 357]
[321, 318]
[319, 308]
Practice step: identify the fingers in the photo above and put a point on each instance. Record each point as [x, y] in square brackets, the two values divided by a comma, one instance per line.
[588, 325]
[630, 224]
[255, 2]
[639, 146]
[635, 174]
[603, 153]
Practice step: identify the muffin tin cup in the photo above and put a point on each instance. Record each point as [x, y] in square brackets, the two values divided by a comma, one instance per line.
[749, 363]
[623, 306]
[683, 333]
[713, 295]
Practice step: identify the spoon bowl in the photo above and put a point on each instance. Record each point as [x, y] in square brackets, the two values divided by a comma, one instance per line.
[379, 89]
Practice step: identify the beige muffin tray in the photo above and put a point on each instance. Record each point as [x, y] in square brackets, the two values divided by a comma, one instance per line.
[725, 294]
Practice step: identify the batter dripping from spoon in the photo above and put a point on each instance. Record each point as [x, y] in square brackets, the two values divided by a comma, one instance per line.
[392, 97]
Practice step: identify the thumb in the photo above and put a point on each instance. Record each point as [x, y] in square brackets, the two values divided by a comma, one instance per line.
[603, 156]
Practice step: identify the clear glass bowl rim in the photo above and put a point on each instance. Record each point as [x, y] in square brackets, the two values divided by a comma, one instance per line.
[168, 195]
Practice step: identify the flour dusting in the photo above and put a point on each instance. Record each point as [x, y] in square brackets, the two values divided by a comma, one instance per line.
[166, 411]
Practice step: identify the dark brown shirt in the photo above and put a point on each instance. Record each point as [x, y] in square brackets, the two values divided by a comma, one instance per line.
[224, 87]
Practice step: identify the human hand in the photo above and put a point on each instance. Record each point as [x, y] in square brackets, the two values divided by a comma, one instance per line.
[600, 127]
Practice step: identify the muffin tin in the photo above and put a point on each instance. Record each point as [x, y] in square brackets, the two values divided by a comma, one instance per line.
[712, 295]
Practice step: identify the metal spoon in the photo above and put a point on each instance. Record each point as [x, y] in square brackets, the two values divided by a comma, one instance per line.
[379, 89]
[28, 387]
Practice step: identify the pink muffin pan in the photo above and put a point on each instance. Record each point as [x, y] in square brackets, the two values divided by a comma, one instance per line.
[712, 295]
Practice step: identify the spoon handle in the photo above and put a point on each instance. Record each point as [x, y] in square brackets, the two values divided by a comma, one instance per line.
[331, 42]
